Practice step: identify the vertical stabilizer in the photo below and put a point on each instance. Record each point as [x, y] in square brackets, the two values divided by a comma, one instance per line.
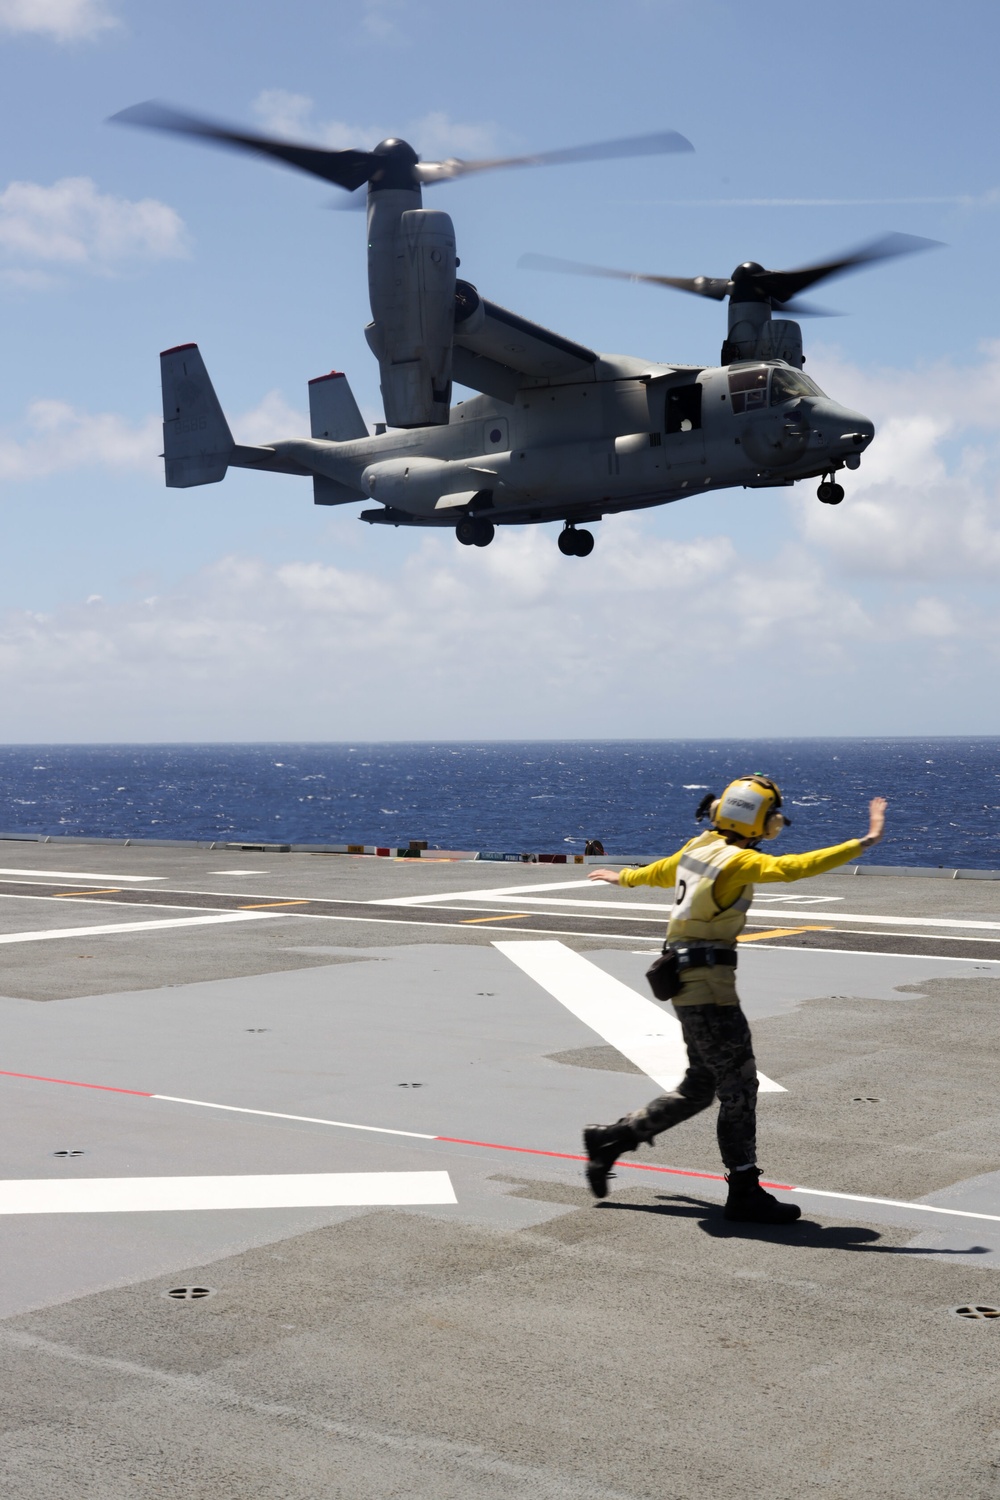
[197, 442]
[333, 411]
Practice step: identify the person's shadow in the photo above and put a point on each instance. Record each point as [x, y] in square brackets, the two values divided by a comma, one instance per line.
[805, 1233]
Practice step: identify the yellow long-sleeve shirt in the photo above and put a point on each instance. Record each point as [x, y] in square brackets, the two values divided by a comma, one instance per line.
[749, 867]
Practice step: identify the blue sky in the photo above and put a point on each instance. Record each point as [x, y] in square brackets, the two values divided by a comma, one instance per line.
[240, 611]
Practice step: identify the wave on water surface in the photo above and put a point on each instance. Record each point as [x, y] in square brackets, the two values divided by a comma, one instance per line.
[637, 796]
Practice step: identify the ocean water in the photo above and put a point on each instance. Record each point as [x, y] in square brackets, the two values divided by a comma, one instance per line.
[637, 796]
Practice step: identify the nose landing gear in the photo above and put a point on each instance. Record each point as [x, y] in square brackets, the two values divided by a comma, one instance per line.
[573, 543]
[830, 493]
[473, 532]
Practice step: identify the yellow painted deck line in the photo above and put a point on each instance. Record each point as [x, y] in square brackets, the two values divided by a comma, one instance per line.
[755, 937]
[112, 890]
[513, 917]
[259, 905]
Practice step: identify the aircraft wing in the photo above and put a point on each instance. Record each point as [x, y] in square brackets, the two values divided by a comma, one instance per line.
[494, 349]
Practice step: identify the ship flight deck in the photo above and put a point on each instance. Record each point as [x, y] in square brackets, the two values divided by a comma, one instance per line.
[292, 1192]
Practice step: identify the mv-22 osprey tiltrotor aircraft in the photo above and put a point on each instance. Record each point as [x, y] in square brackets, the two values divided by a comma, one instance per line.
[559, 432]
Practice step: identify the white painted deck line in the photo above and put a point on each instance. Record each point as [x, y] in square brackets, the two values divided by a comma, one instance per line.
[625, 905]
[494, 890]
[127, 1195]
[855, 916]
[80, 932]
[239, 1109]
[45, 877]
[924, 958]
[810, 915]
[640, 1030]
[925, 1208]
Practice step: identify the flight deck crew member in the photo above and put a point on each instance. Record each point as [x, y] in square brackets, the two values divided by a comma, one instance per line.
[714, 876]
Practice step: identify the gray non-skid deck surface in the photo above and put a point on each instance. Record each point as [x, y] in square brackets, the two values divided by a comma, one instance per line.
[526, 1341]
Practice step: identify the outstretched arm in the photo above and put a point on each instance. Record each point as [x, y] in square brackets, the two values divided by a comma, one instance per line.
[661, 872]
[753, 866]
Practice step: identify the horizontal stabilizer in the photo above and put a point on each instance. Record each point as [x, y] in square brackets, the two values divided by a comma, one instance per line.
[197, 443]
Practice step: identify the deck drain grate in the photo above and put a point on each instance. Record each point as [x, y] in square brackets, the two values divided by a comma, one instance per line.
[865, 1099]
[189, 1293]
[69, 1153]
[977, 1310]
[409, 1085]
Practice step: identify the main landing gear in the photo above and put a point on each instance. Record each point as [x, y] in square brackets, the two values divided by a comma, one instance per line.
[573, 543]
[830, 493]
[473, 532]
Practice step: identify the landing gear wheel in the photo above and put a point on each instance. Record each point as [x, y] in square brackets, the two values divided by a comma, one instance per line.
[472, 532]
[573, 543]
[830, 494]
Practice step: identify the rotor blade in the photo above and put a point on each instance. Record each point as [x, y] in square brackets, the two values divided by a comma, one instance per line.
[782, 286]
[354, 202]
[797, 309]
[702, 286]
[348, 169]
[662, 142]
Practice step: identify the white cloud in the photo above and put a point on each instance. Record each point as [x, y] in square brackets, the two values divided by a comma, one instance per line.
[63, 20]
[649, 636]
[926, 500]
[433, 135]
[513, 640]
[271, 420]
[379, 21]
[932, 618]
[57, 437]
[71, 225]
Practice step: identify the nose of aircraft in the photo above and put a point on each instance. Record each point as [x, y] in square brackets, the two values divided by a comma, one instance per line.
[843, 431]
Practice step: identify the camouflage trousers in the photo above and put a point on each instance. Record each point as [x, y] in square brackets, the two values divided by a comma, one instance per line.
[720, 1063]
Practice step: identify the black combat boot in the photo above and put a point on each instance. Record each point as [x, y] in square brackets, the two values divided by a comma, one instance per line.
[749, 1204]
[604, 1144]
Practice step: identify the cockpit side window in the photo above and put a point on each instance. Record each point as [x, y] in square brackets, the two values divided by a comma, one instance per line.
[788, 384]
[748, 387]
[683, 408]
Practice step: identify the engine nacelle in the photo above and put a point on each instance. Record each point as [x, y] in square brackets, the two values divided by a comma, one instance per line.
[412, 286]
[780, 338]
[754, 334]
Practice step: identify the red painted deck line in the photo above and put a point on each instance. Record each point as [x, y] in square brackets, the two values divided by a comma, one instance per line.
[454, 1140]
[108, 1088]
[635, 1166]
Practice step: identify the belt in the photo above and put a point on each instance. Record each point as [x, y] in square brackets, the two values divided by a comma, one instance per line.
[702, 958]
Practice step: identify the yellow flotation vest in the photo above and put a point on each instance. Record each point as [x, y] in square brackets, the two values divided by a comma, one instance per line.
[696, 916]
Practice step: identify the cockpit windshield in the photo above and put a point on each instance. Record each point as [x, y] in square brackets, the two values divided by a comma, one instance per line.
[748, 387]
[787, 384]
